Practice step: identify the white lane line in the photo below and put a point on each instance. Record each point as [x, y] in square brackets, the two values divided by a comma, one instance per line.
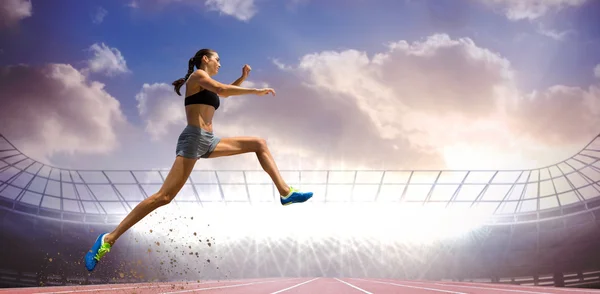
[488, 288]
[292, 287]
[355, 287]
[414, 287]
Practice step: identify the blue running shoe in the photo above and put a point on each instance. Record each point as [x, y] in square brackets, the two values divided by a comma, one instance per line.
[98, 250]
[295, 196]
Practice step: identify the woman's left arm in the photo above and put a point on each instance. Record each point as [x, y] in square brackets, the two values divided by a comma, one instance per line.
[245, 72]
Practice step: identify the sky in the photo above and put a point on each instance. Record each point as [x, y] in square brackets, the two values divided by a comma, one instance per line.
[469, 84]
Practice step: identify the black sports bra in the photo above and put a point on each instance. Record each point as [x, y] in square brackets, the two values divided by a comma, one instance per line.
[204, 97]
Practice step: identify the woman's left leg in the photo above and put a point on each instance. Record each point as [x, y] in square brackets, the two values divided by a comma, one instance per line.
[239, 145]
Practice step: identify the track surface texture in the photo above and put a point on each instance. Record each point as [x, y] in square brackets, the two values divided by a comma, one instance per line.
[302, 285]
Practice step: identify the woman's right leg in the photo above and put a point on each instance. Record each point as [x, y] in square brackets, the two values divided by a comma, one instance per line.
[178, 175]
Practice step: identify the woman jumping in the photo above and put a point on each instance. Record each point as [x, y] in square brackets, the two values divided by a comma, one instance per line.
[197, 141]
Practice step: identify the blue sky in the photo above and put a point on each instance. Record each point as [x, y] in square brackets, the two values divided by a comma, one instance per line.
[156, 38]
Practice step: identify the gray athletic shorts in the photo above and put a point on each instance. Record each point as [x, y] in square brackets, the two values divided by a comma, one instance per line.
[195, 142]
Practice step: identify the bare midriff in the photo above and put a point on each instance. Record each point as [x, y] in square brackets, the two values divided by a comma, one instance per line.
[198, 115]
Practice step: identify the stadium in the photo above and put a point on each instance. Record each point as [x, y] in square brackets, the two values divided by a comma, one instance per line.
[433, 146]
[534, 227]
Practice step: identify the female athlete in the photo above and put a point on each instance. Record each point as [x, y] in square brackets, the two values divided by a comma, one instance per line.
[198, 141]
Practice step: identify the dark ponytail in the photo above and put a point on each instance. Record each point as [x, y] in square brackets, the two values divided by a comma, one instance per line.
[179, 83]
[194, 61]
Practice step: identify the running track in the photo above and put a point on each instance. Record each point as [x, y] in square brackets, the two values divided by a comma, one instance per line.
[302, 285]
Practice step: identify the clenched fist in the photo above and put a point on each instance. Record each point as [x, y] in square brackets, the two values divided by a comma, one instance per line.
[246, 70]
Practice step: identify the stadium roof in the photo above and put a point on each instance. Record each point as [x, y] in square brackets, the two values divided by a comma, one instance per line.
[510, 196]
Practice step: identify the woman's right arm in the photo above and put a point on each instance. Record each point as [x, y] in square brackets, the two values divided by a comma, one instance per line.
[224, 90]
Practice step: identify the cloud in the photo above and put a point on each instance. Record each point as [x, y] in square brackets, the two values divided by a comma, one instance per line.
[160, 109]
[63, 113]
[556, 35]
[99, 15]
[597, 71]
[13, 11]
[399, 107]
[106, 60]
[558, 115]
[243, 10]
[534, 11]
[531, 9]
[437, 103]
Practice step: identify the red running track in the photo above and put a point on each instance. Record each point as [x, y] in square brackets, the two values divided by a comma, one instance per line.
[302, 285]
